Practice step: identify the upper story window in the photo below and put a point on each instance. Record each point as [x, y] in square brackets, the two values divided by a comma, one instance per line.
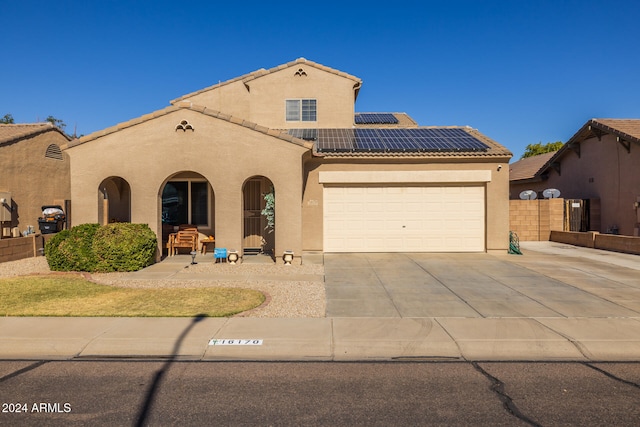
[301, 110]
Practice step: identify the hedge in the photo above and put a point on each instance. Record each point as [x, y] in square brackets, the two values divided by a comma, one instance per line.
[95, 248]
[74, 249]
[124, 247]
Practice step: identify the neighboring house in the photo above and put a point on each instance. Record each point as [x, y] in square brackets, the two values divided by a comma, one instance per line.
[600, 162]
[343, 181]
[525, 174]
[34, 172]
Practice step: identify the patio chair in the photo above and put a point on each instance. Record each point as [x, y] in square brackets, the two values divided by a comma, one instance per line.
[184, 239]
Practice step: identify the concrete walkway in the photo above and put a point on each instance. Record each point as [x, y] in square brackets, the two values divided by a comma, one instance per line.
[555, 302]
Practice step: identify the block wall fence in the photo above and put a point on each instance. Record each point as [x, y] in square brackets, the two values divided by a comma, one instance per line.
[533, 220]
[15, 248]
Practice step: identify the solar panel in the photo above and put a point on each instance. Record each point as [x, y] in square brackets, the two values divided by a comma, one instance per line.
[375, 119]
[306, 134]
[368, 140]
[383, 140]
[399, 140]
[336, 140]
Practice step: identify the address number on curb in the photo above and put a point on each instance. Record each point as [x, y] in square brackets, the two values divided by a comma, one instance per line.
[234, 342]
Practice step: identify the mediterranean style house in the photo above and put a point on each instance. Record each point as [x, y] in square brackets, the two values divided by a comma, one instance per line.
[342, 181]
[34, 172]
[598, 164]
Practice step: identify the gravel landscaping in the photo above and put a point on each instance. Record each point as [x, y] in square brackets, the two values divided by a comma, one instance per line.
[285, 298]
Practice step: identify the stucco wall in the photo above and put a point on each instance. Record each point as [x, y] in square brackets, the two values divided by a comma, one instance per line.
[262, 100]
[33, 179]
[605, 171]
[497, 203]
[231, 98]
[334, 95]
[147, 155]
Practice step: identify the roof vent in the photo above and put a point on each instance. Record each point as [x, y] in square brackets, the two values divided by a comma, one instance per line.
[301, 72]
[184, 125]
[53, 152]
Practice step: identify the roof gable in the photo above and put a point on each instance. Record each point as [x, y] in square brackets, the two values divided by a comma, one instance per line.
[626, 131]
[189, 106]
[10, 133]
[247, 78]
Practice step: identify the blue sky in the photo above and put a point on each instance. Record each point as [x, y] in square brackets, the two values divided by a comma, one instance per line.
[520, 72]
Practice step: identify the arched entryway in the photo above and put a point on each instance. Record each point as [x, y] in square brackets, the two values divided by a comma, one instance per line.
[114, 201]
[187, 198]
[258, 211]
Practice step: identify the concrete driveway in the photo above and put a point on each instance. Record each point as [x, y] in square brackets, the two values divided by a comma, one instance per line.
[552, 280]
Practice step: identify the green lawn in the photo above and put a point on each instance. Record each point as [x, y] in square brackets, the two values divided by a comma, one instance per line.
[71, 295]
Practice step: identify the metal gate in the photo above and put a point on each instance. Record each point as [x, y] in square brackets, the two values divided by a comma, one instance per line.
[253, 202]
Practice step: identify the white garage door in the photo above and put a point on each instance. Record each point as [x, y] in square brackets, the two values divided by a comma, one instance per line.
[404, 219]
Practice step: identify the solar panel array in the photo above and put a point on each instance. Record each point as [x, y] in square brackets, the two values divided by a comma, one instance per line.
[377, 140]
[375, 119]
[306, 134]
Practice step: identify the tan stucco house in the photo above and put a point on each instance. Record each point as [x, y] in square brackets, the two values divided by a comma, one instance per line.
[34, 172]
[598, 164]
[343, 181]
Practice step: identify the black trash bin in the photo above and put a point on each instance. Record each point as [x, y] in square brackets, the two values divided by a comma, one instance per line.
[52, 219]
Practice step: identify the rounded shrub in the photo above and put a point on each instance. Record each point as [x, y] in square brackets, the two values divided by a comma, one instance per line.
[56, 259]
[71, 250]
[124, 247]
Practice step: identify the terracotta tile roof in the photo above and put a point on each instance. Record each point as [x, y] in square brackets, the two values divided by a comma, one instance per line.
[621, 127]
[188, 105]
[529, 167]
[262, 72]
[15, 132]
[626, 129]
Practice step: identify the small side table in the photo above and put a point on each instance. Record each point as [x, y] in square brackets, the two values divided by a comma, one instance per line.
[207, 242]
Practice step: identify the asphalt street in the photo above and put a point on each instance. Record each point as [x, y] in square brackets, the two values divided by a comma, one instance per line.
[100, 393]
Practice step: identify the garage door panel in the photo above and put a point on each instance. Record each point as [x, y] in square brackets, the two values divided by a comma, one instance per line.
[411, 218]
[375, 207]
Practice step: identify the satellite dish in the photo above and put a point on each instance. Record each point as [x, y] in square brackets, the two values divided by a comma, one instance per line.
[528, 195]
[551, 193]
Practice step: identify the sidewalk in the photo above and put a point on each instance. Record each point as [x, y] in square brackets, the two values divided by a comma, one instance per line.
[559, 338]
[326, 339]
